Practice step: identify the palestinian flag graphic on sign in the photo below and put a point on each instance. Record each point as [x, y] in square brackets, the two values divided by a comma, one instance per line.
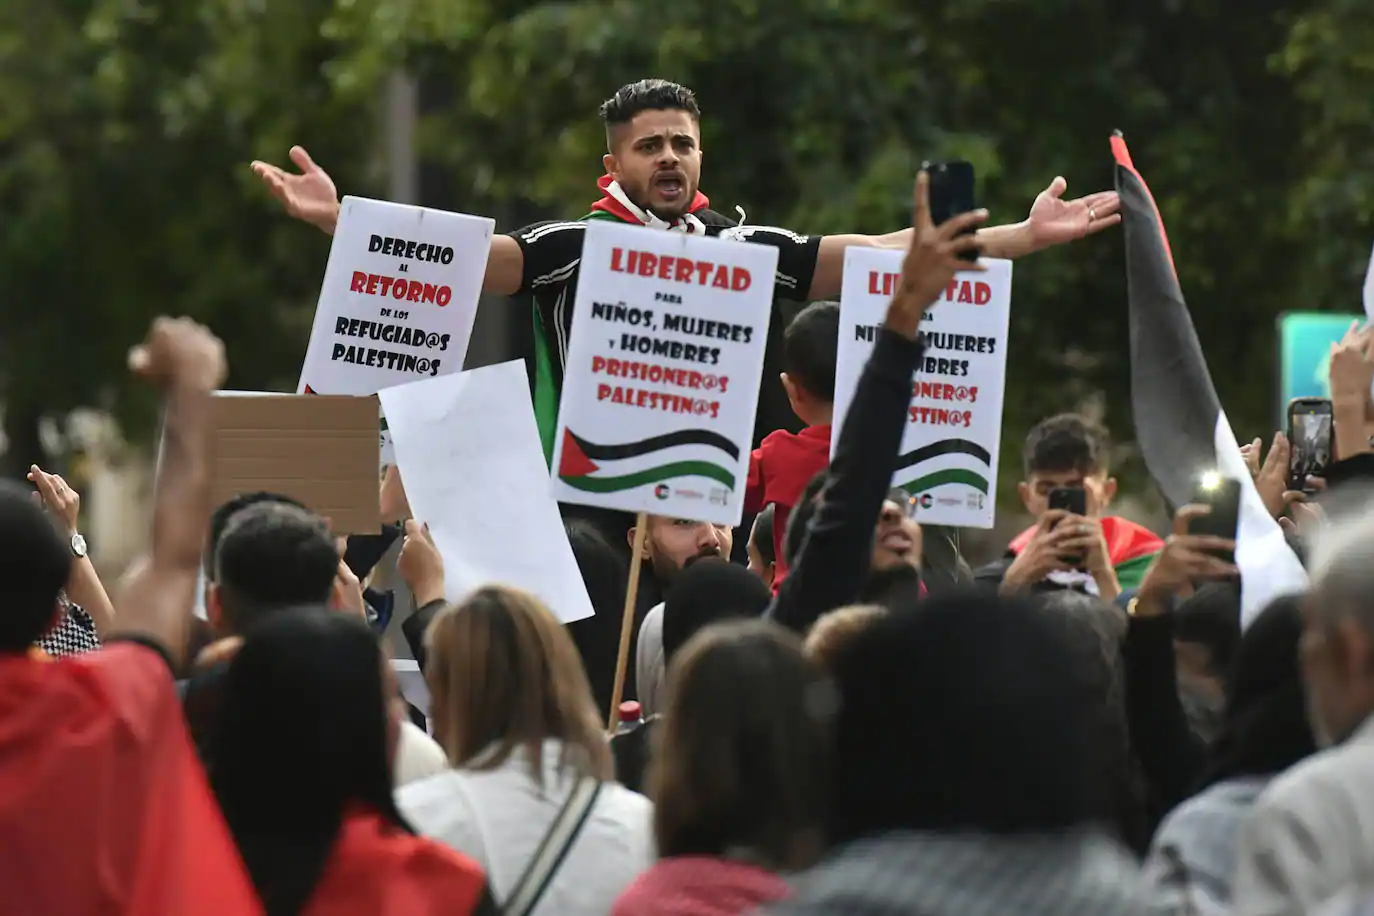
[912, 462]
[1180, 426]
[607, 468]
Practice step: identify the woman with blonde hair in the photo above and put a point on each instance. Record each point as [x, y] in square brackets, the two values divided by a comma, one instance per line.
[531, 796]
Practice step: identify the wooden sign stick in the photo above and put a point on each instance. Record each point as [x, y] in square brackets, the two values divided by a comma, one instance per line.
[627, 621]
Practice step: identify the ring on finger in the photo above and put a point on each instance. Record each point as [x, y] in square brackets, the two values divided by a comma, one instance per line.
[1092, 214]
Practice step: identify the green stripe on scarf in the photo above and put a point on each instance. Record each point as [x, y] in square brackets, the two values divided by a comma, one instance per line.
[545, 397]
[1130, 572]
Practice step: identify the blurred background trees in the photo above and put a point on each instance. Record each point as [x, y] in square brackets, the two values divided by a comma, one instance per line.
[128, 125]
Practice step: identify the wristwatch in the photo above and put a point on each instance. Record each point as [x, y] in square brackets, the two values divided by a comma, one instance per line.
[78, 545]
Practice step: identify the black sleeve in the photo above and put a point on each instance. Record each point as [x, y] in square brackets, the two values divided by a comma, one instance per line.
[1356, 467]
[797, 256]
[836, 553]
[1171, 756]
[553, 251]
[414, 626]
[364, 551]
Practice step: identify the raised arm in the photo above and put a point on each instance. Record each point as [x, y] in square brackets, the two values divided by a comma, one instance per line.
[1052, 221]
[837, 551]
[157, 595]
[310, 196]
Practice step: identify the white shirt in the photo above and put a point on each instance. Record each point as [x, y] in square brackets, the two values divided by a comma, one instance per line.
[499, 817]
[418, 756]
[650, 666]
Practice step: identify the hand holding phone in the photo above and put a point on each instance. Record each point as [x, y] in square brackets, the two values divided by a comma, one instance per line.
[1309, 441]
[1074, 501]
[1222, 496]
[951, 193]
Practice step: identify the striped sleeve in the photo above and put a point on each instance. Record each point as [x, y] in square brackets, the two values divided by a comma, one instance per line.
[553, 252]
[797, 256]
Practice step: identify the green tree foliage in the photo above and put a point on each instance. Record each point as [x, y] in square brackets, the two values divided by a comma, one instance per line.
[128, 126]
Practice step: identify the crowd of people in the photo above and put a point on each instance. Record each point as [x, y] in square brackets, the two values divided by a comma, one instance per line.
[836, 714]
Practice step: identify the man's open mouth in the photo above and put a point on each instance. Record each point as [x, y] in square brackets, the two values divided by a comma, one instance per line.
[669, 185]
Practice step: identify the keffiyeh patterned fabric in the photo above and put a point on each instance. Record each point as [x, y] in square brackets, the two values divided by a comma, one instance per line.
[73, 636]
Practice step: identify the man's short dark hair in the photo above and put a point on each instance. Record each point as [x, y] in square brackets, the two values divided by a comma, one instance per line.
[808, 349]
[219, 520]
[1067, 442]
[646, 95]
[273, 556]
[35, 561]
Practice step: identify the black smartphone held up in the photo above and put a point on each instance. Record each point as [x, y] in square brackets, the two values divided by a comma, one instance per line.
[951, 193]
[1309, 441]
[1073, 500]
[1222, 495]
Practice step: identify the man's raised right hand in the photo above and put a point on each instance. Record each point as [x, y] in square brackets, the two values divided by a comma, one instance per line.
[309, 196]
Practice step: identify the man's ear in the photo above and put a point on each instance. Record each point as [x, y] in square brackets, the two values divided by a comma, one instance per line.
[610, 164]
[1024, 491]
[630, 540]
[1108, 492]
[214, 611]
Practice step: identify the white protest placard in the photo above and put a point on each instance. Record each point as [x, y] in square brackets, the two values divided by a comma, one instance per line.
[468, 449]
[399, 297]
[398, 300]
[949, 452]
[662, 376]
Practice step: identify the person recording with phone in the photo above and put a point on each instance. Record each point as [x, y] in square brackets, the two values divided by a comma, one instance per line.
[1073, 544]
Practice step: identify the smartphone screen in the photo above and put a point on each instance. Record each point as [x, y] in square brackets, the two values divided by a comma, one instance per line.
[1309, 440]
[1073, 500]
[1222, 494]
[951, 193]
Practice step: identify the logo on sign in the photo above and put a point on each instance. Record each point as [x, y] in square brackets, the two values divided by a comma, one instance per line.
[661, 491]
[924, 500]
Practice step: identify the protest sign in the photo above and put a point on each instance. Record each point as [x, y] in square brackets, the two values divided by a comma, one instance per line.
[399, 297]
[662, 375]
[949, 452]
[320, 451]
[398, 300]
[468, 449]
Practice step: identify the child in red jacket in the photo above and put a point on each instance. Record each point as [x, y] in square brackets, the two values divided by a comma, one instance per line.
[783, 463]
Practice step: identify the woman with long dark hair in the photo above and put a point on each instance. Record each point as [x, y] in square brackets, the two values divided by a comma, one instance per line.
[302, 768]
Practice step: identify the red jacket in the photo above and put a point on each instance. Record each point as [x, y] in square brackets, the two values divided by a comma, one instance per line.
[779, 469]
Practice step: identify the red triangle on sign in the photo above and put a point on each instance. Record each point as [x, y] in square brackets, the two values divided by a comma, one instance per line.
[309, 390]
[574, 462]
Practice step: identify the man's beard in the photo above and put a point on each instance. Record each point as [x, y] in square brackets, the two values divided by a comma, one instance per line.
[891, 587]
[665, 570]
[640, 198]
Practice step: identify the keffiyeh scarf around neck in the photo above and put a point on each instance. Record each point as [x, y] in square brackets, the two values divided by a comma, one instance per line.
[616, 205]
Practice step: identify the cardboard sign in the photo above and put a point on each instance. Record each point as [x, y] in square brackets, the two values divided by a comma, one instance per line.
[399, 297]
[949, 454]
[662, 376]
[319, 450]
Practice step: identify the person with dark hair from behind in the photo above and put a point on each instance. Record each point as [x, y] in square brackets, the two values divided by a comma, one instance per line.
[739, 785]
[1264, 731]
[964, 779]
[761, 550]
[307, 786]
[1100, 554]
[1094, 631]
[597, 637]
[1172, 755]
[103, 805]
[273, 556]
[854, 531]
[707, 591]
[782, 464]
